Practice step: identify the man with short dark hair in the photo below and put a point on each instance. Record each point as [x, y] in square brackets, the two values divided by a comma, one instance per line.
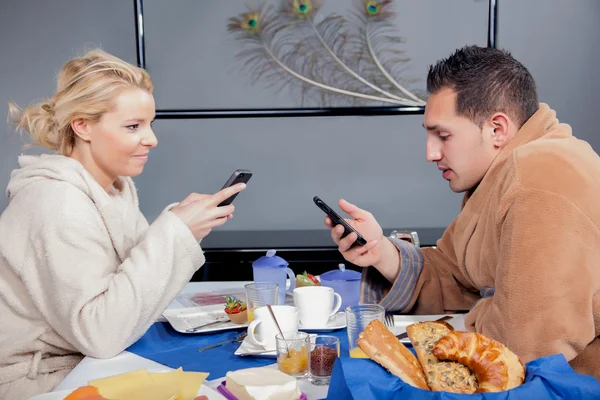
[523, 255]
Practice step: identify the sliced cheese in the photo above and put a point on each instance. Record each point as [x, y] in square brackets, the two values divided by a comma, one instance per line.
[174, 385]
[262, 384]
[149, 393]
[114, 386]
[187, 383]
[190, 384]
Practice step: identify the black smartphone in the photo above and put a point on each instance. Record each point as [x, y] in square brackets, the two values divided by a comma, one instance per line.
[337, 220]
[238, 176]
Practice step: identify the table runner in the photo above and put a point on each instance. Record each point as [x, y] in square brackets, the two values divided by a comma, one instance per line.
[161, 343]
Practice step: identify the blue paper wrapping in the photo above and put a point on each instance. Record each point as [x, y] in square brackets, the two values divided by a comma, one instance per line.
[547, 378]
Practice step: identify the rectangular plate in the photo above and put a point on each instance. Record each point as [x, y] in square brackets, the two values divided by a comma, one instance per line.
[402, 321]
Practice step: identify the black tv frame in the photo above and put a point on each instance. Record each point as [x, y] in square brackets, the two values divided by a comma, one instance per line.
[285, 112]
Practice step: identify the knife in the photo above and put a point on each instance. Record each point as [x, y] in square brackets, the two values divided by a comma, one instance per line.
[197, 328]
[405, 334]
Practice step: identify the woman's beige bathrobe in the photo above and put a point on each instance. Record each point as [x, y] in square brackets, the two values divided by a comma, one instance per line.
[81, 272]
[523, 255]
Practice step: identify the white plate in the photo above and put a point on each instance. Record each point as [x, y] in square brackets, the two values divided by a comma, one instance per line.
[336, 321]
[402, 321]
[182, 319]
[60, 395]
[248, 347]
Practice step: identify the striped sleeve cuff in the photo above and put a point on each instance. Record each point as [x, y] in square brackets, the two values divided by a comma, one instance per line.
[375, 289]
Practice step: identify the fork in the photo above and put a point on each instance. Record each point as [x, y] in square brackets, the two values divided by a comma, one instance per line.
[389, 320]
[212, 346]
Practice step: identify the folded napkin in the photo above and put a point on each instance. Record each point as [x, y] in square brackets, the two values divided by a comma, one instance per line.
[547, 378]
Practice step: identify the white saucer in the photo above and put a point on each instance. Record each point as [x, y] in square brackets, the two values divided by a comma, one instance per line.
[248, 347]
[336, 321]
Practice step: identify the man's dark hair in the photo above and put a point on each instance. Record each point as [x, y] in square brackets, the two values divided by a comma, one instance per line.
[486, 80]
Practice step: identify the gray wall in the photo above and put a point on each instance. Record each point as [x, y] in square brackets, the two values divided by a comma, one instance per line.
[36, 38]
[192, 56]
[558, 41]
[377, 162]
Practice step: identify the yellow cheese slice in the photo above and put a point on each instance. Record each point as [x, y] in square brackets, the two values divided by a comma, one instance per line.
[113, 387]
[174, 385]
[188, 383]
[152, 392]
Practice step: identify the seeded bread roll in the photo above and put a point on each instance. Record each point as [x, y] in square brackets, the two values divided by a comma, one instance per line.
[441, 376]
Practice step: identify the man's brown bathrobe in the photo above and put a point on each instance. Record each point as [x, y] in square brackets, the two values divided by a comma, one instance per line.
[523, 255]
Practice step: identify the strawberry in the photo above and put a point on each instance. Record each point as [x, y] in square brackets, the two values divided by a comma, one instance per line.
[234, 305]
[312, 278]
[306, 279]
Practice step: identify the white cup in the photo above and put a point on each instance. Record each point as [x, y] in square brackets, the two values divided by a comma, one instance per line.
[262, 331]
[315, 305]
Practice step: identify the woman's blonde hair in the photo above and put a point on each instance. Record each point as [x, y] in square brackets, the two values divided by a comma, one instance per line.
[86, 89]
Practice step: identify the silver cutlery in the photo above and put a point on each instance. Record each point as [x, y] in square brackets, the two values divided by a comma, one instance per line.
[212, 346]
[287, 348]
[388, 320]
[199, 327]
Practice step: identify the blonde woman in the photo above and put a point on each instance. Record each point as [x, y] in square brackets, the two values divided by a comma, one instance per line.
[81, 271]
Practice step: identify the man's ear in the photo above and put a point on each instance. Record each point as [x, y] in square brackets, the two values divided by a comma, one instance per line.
[499, 125]
[82, 129]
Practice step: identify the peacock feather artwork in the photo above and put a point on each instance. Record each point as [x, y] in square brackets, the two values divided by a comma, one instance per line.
[338, 61]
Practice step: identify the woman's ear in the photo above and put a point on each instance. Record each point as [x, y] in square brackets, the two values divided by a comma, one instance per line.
[81, 128]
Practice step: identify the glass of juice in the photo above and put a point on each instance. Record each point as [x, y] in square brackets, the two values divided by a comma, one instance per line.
[357, 318]
[260, 294]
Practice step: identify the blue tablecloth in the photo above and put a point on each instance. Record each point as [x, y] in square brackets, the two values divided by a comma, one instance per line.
[163, 344]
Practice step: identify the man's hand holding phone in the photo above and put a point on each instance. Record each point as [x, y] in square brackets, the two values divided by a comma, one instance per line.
[378, 251]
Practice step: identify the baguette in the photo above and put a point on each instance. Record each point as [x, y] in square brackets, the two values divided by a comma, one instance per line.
[383, 347]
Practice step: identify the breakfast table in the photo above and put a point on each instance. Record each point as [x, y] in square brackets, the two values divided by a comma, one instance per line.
[163, 349]
[92, 368]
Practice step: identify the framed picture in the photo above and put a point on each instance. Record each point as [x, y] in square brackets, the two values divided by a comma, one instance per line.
[267, 58]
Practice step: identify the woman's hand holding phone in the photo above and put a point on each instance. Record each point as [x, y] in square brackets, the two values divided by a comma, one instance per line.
[201, 213]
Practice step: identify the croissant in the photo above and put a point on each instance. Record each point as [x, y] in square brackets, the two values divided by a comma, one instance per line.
[495, 366]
